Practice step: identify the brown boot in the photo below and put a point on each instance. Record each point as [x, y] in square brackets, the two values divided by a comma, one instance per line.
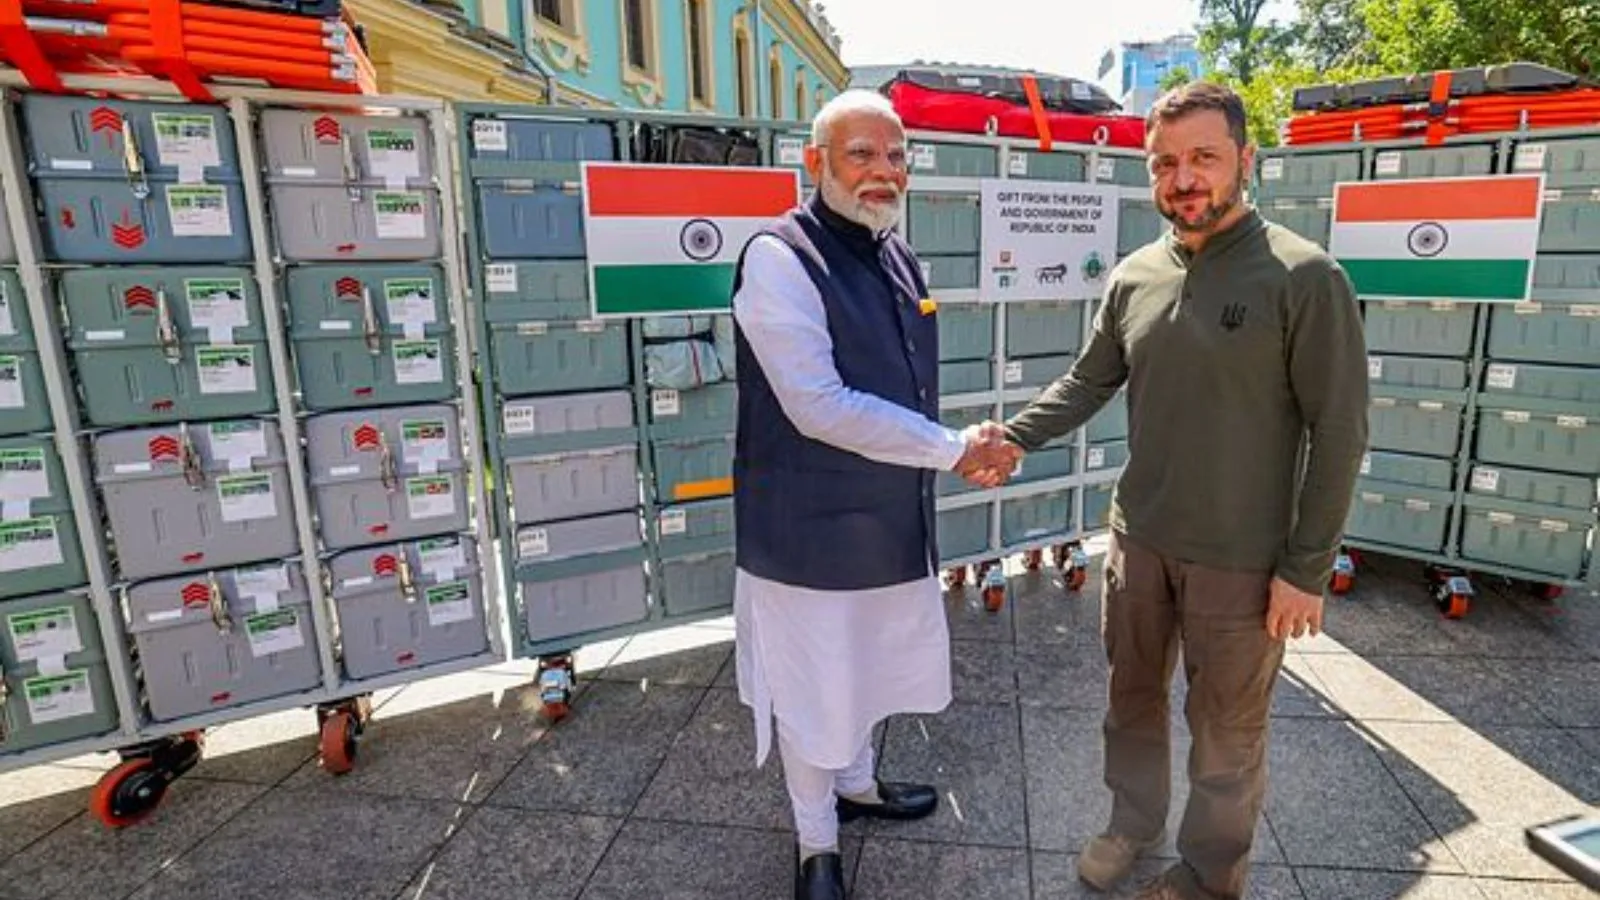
[1108, 859]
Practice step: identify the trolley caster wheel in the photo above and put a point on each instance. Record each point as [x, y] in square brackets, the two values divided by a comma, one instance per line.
[1549, 592]
[1059, 556]
[1344, 574]
[956, 578]
[556, 681]
[338, 742]
[1033, 560]
[1077, 577]
[130, 792]
[994, 589]
[1452, 592]
[1074, 566]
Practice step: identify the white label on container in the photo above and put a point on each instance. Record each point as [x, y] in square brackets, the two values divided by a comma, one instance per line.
[247, 498]
[11, 393]
[533, 329]
[1442, 305]
[392, 153]
[336, 325]
[1018, 164]
[1013, 373]
[1097, 457]
[1572, 422]
[1530, 158]
[163, 615]
[216, 303]
[274, 632]
[489, 136]
[1383, 402]
[52, 665]
[1553, 195]
[1486, 481]
[1418, 505]
[1501, 518]
[1272, 169]
[674, 521]
[1585, 310]
[238, 440]
[56, 698]
[1105, 169]
[22, 474]
[502, 278]
[533, 542]
[299, 171]
[1368, 497]
[1430, 405]
[927, 270]
[1366, 464]
[441, 558]
[358, 581]
[1528, 309]
[199, 211]
[664, 403]
[591, 326]
[265, 603]
[45, 632]
[518, 420]
[343, 471]
[29, 544]
[1388, 163]
[1374, 367]
[186, 141]
[449, 603]
[791, 151]
[410, 300]
[1502, 377]
[135, 468]
[73, 165]
[430, 497]
[424, 439]
[15, 510]
[1555, 525]
[418, 362]
[116, 335]
[8, 324]
[1516, 417]
[272, 578]
[227, 369]
[400, 215]
[924, 157]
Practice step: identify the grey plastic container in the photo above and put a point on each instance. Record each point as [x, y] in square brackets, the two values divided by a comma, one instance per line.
[966, 376]
[1539, 440]
[163, 491]
[569, 421]
[966, 331]
[170, 344]
[1417, 372]
[579, 596]
[384, 475]
[688, 529]
[693, 468]
[1308, 175]
[1035, 371]
[407, 606]
[942, 273]
[1067, 165]
[39, 548]
[1404, 469]
[1399, 515]
[223, 638]
[1419, 329]
[1111, 422]
[1106, 456]
[1451, 161]
[559, 357]
[541, 140]
[1569, 222]
[1138, 223]
[953, 159]
[525, 219]
[1044, 329]
[56, 684]
[555, 541]
[569, 485]
[698, 584]
[1544, 489]
[1550, 542]
[350, 187]
[1097, 505]
[1311, 219]
[539, 290]
[964, 532]
[943, 223]
[1546, 333]
[703, 411]
[1579, 385]
[1051, 462]
[1426, 427]
[185, 206]
[371, 335]
[23, 407]
[1037, 518]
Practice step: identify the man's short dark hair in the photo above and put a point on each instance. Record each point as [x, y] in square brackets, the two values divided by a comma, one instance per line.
[1197, 96]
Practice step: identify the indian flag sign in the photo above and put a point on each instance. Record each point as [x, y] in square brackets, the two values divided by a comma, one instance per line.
[1439, 239]
[664, 240]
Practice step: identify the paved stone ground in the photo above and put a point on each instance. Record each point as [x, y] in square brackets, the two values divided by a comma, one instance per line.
[1408, 753]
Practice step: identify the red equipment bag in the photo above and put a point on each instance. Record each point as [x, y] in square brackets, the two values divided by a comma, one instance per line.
[992, 109]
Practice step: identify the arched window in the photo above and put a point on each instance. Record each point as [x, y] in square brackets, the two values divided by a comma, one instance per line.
[775, 72]
[744, 73]
[800, 94]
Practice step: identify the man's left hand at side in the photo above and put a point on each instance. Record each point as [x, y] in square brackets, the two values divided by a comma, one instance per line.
[1292, 612]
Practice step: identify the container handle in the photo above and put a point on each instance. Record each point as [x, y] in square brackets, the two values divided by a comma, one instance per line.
[386, 468]
[352, 171]
[369, 323]
[133, 162]
[408, 584]
[219, 605]
[166, 331]
[194, 472]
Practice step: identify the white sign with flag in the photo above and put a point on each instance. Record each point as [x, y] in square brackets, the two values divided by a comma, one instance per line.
[1046, 240]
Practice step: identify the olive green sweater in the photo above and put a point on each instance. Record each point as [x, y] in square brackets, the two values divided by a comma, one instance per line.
[1245, 367]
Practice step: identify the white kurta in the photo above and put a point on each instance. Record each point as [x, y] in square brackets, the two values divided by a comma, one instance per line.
[831, 664]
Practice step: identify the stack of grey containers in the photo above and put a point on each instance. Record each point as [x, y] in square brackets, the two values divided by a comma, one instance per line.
[143, 210]
[355, 207]
[54, 681]
[565, 433]
[1485, 418]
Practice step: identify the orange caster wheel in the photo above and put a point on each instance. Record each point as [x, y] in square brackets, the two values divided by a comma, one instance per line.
[1033, 560]
[1455, 606]
[956, 577]
[994, 589]
[1340, 584]
[1076, 579]
[131, 792]
[1549, 592]
[1452, 592]
[338, 743]
[556, 682]
[1344, 573]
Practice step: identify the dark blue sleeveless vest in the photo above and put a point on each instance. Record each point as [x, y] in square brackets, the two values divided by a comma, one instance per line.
[810, 514]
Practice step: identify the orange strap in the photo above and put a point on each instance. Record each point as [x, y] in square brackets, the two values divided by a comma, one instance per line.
[1041, 121]
[1438, 107]
[18, 47]
[166, 27]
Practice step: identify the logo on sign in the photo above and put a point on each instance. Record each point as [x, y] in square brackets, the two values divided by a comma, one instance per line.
[1093, 267]
[196, 594]
[327, 130]
[384, 565]
[164, 448]
[366, 438]
[347, 289]
[138, 297]
[1056, 274]
[127, 233]
[1005, 257]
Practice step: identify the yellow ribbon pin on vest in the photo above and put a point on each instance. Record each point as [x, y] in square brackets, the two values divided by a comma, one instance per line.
[928, 306]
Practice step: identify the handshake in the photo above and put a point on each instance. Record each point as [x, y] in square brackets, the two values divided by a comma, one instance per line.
[989, 459]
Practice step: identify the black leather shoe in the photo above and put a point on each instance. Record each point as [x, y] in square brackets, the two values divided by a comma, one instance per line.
[820, 878]
[901, 802]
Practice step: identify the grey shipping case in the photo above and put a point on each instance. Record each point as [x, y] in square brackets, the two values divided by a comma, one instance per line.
[405, 606]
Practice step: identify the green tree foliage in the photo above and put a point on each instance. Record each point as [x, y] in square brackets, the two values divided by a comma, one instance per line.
[1423, 35]
[1236, 42]
[1178, 76]
[1333, 33]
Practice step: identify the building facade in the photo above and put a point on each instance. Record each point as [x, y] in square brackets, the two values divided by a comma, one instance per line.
[772, 59]
[1132, 73]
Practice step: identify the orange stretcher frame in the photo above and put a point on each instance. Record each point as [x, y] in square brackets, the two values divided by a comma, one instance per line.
[1444, 117]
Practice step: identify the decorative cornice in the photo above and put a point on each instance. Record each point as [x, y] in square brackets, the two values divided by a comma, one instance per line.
[417, 51]
[788, 17]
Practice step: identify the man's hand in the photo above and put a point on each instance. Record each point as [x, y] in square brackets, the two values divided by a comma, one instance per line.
[1292, 612]
[990, 458]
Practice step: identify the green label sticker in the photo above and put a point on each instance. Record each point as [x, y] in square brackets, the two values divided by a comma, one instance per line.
[410, 301]
[274, 632]
[199, 211]
[216, 302]
[29, 544]
[55, 698]
[400, 215]
[247, 497]
[226, 369]
[187, 141]
[45, 632]
[450, 602]
[11, 393]
[418, 362]
[430, 497]
[22, 474]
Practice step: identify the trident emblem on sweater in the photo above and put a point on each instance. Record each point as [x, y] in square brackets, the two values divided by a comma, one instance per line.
[1233, 316]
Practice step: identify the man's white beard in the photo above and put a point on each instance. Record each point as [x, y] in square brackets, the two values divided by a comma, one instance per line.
[878, 217]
